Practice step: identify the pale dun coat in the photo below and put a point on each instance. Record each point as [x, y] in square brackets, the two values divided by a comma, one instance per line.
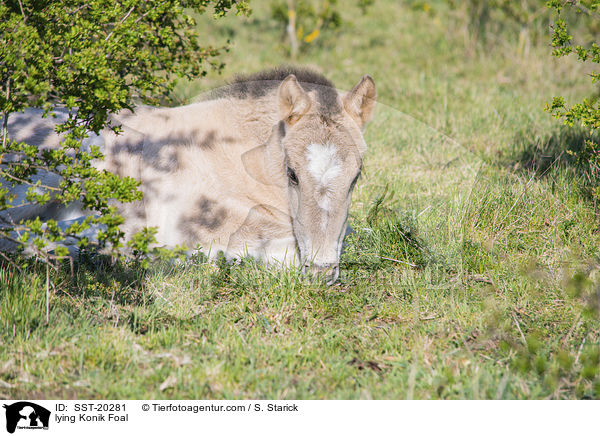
[265, 167]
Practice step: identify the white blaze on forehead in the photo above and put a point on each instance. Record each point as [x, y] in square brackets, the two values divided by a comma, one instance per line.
[323, 163]
[324, 166]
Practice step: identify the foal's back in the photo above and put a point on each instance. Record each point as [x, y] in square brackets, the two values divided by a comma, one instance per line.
[198, 188]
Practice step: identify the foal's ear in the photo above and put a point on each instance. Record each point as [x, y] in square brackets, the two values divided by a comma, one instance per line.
[360, 101]
[294, 102]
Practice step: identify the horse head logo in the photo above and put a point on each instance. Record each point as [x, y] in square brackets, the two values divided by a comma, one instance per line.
[27, 414]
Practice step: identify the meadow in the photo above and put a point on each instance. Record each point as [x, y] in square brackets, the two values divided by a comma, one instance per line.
[472, 272]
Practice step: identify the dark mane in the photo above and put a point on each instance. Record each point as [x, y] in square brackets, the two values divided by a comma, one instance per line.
[260, 84]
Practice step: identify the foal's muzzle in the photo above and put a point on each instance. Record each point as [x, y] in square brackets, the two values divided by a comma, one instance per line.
[328, 271]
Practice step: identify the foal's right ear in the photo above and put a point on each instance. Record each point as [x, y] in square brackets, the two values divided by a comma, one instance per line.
[294, 102]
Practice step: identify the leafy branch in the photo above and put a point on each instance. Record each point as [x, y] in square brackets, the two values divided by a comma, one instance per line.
[87, 59]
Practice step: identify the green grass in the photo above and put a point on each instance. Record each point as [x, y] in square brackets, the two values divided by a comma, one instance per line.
[472, 272]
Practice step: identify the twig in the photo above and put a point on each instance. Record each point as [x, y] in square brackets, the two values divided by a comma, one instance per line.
[141, 17]
[120, 22]
[25, 182]
[519, 328]
[47, 294]
[86, 5]
[582, 8]
[291, 29]
[5, 123]
[22, 12]
[580, 349]
[482, 280]
[423, 211]
[9, 238]
[396, 260]
[11, 262]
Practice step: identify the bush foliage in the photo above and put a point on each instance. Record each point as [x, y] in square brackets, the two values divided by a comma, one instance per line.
[92, 58]
[587, 112]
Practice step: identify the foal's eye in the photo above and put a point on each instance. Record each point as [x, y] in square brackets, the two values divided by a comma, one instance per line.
[292, 176]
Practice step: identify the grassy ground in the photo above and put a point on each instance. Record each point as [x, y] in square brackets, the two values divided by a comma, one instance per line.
[466, 178]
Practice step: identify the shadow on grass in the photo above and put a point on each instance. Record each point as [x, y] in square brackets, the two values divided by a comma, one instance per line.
[541, 153]
[95, 289]
[557, 149]
[387, 240]
[97, 275]
[563, 150]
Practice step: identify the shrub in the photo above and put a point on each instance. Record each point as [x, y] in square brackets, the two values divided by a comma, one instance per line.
[92, 58]
[586, 113]
[304, 20]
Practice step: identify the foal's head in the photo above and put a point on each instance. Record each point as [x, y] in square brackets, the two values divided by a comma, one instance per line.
[321, 145]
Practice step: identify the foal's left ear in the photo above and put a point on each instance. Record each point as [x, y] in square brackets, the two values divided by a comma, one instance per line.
[294, 102]
[360, 101]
